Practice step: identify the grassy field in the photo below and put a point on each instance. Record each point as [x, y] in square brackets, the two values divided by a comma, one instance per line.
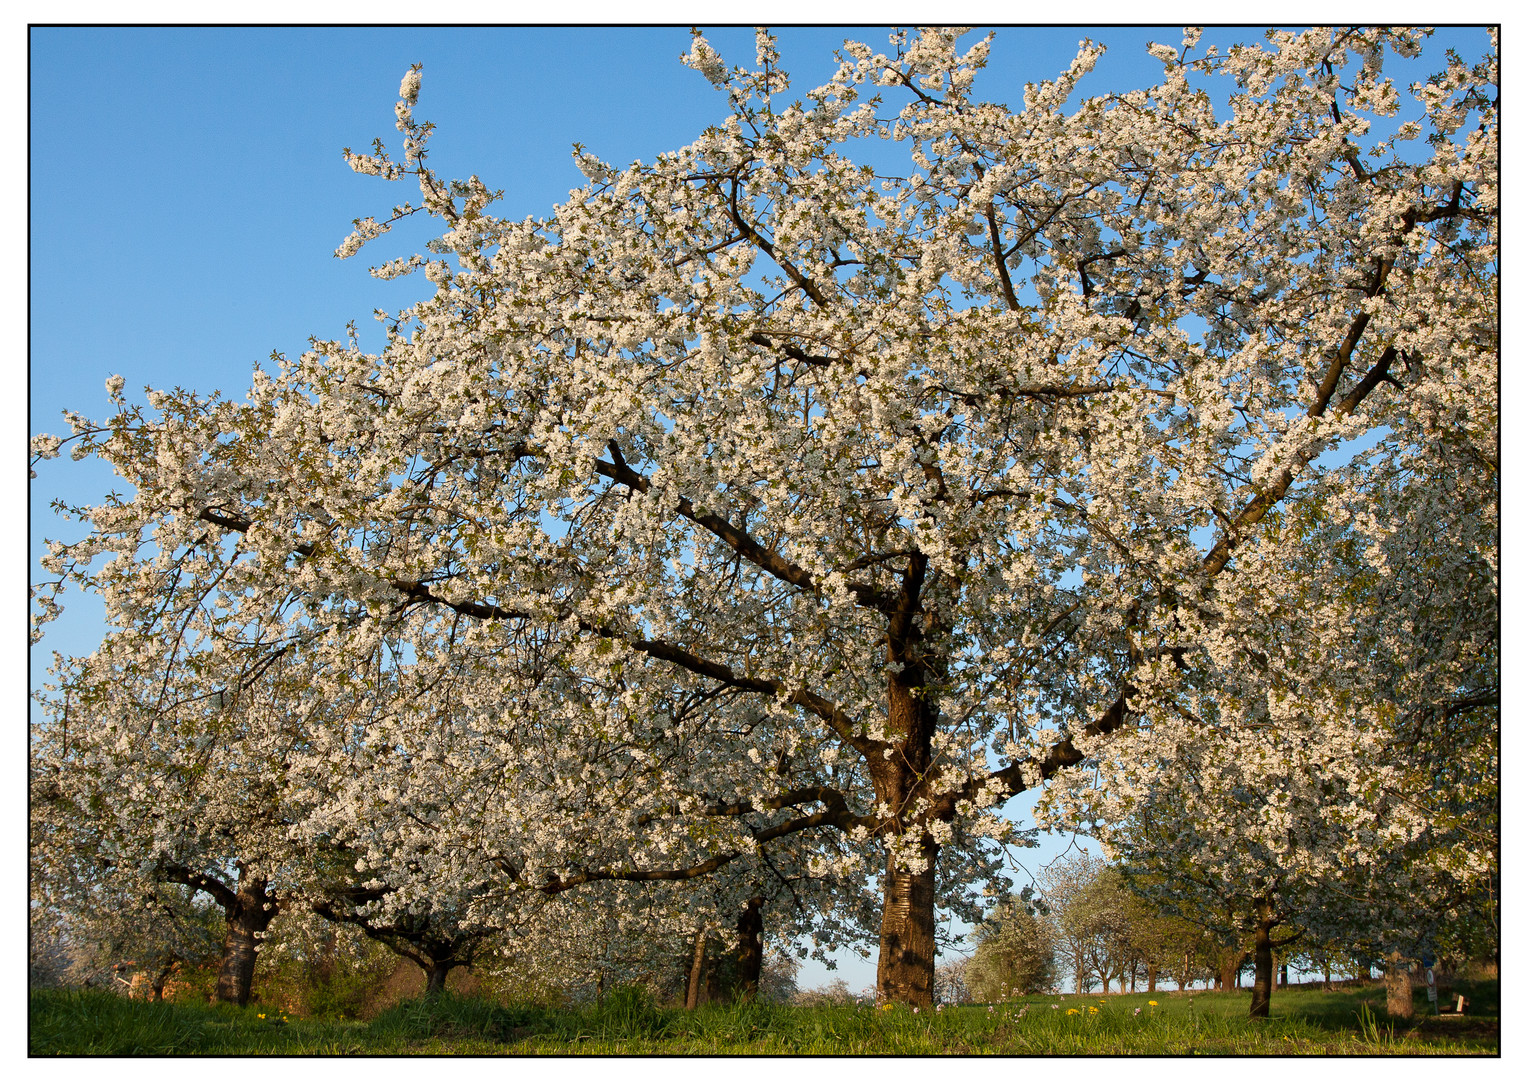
[1303, 1022]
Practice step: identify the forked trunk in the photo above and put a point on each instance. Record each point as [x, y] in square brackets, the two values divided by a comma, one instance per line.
[750, 949]
[905, 971]
[166, 969]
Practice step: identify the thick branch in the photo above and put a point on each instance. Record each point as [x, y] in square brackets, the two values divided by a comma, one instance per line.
[771, 562]
[416, 592]
[221, 894]
[757, 240]
[555, 883]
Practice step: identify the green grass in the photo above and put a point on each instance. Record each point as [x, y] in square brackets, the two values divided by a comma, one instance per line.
[627, 1022]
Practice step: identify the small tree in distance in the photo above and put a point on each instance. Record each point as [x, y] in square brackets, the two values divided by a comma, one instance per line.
[1015, 954]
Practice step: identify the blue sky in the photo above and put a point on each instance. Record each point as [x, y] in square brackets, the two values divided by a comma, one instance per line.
[187, 190]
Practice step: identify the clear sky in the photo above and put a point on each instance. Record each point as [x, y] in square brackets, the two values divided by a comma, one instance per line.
[187, 190]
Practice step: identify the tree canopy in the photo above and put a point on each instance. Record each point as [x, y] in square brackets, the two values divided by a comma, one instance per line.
[754, 497]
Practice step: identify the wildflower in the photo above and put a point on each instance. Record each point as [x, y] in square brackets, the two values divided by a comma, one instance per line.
[1151, 1003]
[1058, 1006]
[1071, 1012]
[260, 1016]
[915, 1008]
[1137, 1011]
[939, 1007]
[989, 1008]
[1091, 1009]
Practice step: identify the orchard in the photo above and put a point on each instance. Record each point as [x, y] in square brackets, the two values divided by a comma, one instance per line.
[744, 533]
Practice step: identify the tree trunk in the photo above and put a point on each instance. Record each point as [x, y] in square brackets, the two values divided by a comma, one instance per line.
[1151, 977]
[1229, 976]
[750, 949]
[1326, 975]
[247, 917]
[905, 971]
[1262, 966]
[697, 971]
[1284, 975]
[156, 989]
[1398, 988]
[711, 983]
[435, 977]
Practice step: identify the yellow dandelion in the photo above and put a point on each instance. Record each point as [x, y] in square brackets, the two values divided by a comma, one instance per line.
[260, 1015]
[1151, 1003]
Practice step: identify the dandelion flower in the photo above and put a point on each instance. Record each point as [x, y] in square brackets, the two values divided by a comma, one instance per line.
[1151, 1003]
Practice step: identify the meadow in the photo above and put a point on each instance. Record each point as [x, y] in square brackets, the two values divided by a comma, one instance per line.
[1349, 1021]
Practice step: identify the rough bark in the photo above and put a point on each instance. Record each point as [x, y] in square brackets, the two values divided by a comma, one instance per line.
[1398, 988]
[248, 914]
[750, 949]
[1151, 977]
[905, 971]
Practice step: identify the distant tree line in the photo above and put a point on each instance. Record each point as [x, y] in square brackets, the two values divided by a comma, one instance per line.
[1085, 929]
